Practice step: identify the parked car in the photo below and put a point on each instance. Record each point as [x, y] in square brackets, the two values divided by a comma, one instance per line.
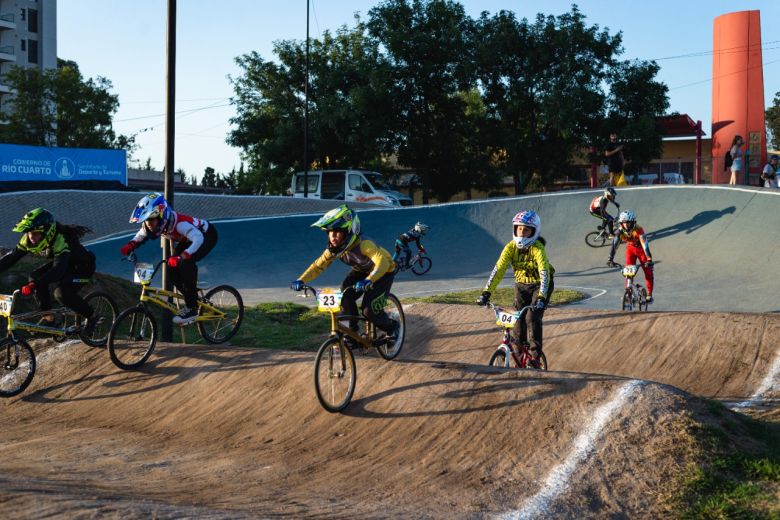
[349, 186]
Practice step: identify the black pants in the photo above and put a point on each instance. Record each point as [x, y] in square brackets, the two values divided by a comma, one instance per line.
[527, 294]
[65, 291]
[185, 277]
[373, 303]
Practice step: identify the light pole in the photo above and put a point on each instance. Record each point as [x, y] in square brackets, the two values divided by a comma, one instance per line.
[170, 131]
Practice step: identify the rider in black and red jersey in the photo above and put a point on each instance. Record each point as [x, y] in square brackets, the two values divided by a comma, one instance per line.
[193, 239]
[598, 208]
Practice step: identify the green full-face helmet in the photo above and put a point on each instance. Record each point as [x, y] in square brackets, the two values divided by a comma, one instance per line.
[40, 220]
[341, 218]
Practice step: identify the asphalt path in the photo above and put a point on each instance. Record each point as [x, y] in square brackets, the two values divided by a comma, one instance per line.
[715, 247]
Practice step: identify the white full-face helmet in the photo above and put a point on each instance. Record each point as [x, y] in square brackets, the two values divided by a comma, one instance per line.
[528, 219]
[421, 228]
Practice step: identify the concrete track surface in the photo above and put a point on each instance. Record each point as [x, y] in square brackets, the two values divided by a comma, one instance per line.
[222, 432]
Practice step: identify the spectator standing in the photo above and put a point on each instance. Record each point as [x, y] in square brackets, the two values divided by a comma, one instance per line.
[736, 157]
[615, 161]
[769, 175]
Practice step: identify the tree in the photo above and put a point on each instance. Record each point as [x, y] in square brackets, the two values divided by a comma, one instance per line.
[61, 108]
[209, 178]
[772, 116]
[542, 85]
[427, 43]
[348, 107]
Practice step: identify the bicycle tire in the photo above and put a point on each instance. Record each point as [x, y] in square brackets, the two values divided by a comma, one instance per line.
[105, 307]
[498, 359]
[132, 338]
[17, 370]
[228, 300]
[335, 375]
[394, 311]
[643, 299]
[628, 303]
[596, 239]
[422, 265]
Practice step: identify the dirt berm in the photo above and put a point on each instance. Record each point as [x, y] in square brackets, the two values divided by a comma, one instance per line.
[221, 432]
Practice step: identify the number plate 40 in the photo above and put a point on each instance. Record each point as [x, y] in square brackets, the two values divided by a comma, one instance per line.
[6, 301]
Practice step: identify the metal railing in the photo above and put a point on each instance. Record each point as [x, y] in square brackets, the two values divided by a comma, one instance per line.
[9, 17]
[8, 49]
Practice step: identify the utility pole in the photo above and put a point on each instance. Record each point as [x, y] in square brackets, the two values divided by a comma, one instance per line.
[306, 114]
[170, 132]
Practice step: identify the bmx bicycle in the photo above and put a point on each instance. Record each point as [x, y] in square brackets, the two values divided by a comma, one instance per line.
[509, 348]
[599, 238]
[420, 263]
[634, 295]
[17, 360]
[133, 335]
[335, 372]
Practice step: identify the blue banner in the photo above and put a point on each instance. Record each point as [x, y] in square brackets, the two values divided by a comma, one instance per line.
[41, 163]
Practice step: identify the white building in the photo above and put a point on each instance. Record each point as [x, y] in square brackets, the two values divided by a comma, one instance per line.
[28, 37]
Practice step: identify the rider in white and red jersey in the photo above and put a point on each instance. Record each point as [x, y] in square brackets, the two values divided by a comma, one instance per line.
[193, 238]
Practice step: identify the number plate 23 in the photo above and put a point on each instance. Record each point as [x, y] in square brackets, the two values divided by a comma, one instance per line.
[507, 319]
[329, 300]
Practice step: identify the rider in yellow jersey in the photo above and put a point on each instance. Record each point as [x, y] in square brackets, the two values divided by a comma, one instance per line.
[533, 277]
[372, 268]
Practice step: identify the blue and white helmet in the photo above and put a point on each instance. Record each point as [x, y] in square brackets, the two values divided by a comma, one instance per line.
[529, 219]
[152, 205]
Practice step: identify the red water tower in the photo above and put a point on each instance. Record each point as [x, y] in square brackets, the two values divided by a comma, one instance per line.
[737, 91]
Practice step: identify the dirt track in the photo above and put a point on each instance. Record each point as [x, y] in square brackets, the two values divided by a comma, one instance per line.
[224, 433]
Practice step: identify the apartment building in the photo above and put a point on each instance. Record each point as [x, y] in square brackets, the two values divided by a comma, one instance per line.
[28, 38]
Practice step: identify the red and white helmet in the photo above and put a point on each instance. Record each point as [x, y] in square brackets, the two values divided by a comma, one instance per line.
[527, 218]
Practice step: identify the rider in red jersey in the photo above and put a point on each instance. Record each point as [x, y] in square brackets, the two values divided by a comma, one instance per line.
[637, 248]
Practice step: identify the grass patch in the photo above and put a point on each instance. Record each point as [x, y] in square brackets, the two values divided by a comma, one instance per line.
[738, 473]
[503, 296]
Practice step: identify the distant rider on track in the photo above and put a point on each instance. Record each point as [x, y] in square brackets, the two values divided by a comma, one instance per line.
[637, 248]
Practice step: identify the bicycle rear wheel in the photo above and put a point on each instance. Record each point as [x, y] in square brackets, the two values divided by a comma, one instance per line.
[422, 265]
[643, 299]
[104, 306]
[389, 350]
[499, 359]
[596, 239]
[132, 338]
[18, 366]
[334, 375]
[220, 328]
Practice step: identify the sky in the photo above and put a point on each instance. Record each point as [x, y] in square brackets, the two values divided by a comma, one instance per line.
[125, 42]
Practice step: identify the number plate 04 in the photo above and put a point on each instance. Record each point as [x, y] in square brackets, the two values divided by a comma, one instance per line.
[507, 319]
[329, 300]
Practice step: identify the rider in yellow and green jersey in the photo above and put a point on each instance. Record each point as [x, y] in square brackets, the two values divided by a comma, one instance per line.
[372, 268]
[533, 277]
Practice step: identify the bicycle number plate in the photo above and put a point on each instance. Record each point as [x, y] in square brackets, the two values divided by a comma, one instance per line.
[5, 304]
[630, 270]
[329, 300]
[143, 272]
[507, 319]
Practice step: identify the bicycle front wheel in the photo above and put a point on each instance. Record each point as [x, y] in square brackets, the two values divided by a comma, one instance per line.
[132, 338]
[643, 299]
[628, 301]
[334, 375]
[220, 323]
[18, 366]
[422, 265]
[104, 306]
[596, 239]
[390, 349]
[499, 359]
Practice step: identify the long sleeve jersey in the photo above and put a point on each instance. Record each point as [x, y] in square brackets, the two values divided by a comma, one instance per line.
[182, 227]
[530, 266]
[636, 237]
[62, 252]
[364, 256]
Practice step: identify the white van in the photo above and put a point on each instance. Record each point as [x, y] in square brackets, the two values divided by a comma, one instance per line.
[349, 186]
